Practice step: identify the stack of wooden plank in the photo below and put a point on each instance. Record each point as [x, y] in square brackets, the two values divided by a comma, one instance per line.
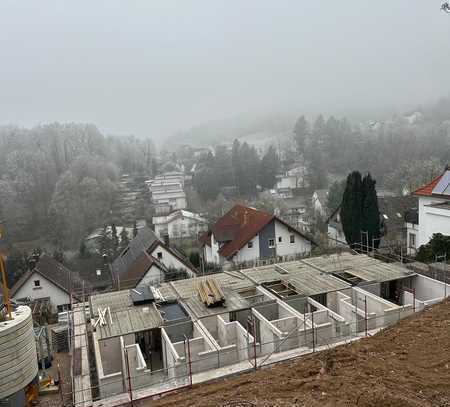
[210, 293]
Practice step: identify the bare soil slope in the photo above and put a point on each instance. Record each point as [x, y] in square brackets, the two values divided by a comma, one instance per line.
[405, 365]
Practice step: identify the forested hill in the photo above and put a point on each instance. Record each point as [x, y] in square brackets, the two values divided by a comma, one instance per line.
[58, 180]
[240, 127]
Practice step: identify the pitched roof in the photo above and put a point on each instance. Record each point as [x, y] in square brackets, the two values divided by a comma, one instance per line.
[238, 226]
[427, 190]
[137, 270]
[143, 240]
[53, 271]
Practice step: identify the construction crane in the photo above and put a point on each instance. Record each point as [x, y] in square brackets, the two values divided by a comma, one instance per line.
[6, 300]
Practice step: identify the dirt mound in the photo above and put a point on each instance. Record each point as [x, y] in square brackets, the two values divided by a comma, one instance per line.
[405, 365]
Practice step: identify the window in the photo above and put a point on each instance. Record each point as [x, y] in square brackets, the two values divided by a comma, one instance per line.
[159, 254]
[292, 238]
[280, 239]
[412, 240]
[250, 245]
[37, 283]
[271, 243]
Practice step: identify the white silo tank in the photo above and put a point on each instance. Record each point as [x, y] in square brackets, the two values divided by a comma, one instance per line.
[18, 358]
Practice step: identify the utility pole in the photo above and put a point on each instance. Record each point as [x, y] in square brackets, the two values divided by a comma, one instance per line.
[6, 300]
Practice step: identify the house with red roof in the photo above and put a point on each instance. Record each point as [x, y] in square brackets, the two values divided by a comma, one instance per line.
[246, 234]
[433, 215]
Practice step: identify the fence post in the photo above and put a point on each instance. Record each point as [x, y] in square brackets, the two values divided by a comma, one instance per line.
[130, 391]
[60, 384]
[190, 364]
[365, 313]
[313, 334]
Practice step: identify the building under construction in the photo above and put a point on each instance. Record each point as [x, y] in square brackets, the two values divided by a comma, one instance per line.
[151, 340]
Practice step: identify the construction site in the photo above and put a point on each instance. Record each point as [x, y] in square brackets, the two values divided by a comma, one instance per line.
[134, 346]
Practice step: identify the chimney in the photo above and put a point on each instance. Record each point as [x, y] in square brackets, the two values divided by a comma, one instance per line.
[32, 261]
[166, 239]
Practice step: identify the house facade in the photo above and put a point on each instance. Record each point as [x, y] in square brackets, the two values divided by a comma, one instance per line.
[48, 279]
[180, 224]
[148, 258]
[246, 234]
[433, 210]
[167, 192]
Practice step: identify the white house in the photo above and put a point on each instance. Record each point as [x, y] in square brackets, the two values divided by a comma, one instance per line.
[48, 279]
[291, 180]
[179, 224]
[146, 252]
[167, 192]
[246, 234]
[169, 200]
[433, 210]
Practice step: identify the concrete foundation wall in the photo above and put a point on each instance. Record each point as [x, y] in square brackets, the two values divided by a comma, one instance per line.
[109, 383]
[428, 289]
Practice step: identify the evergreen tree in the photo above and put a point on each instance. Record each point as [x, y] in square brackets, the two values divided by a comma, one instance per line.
[370, 219]
[351, 206]
[335, 195]
[269, 169]
[359, 212]
[206, 178]
[316, 166]
[301, 131]
[319, 130]
[236, 162]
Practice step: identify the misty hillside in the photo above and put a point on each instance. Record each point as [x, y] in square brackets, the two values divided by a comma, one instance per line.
[248, 128]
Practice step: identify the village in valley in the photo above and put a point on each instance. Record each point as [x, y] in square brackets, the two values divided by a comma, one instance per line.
[224, 273]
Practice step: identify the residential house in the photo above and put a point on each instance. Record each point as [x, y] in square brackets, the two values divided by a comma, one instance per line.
[392, 210]
[433, 210]
[179, 224]
[48, 279]
[167, 192]
[290, 181]
[246, 234]
[148, 258]
[296, 213]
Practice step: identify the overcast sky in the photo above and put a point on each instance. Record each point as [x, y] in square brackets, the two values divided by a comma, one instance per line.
[152, 67]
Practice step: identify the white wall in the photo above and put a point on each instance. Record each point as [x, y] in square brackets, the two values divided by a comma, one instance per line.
[412, 228]
[432, 220]
[285, 248]
[169, 260]
[185, 227]
[153, 275]
[216, 257]
[208, 255]
[335, 237]
[47, 289]
[246, 254]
